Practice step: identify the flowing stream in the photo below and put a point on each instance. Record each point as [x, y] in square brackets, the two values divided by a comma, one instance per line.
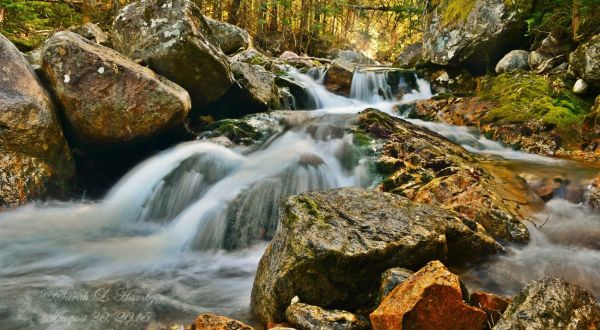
[182, 233]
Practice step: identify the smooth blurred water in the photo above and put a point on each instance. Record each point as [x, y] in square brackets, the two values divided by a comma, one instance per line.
[182, 233]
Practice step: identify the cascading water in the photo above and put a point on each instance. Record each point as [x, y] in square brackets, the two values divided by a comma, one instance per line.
[371, 86]
[182, 233]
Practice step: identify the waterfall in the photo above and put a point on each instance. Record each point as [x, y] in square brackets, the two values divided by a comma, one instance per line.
[317, 74]
[371, 86]
[320, 97]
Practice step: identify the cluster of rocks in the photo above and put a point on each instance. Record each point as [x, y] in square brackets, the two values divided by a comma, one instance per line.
[162, 68]
[541, 101]
[358, 259]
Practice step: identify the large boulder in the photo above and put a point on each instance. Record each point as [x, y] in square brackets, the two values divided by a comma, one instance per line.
[410, 56]
[308, 317]
[584, 62]
[331, 247]
[35, 160]
[514, 60]
[173, 39]
[338, 78]
[254, 92]
[354, 56]
[428, 168]
[474, 33]
[106, 98]
[431, 299]
[229, 37]
[551, 303]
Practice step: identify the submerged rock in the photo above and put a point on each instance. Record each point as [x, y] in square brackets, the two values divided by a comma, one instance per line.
[106, 98]
[35, 160]
[338, 78]
[584, 62]
[173, 38]
[515, 60]
[230, 38]
[307, 317]
[324, 240]
[430, 299]
[428, 168]
[551, 303]
[473, 33]
[209, 321]
[91, 32]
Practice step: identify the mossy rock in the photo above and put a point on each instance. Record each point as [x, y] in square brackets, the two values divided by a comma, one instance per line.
[523, 97]
[236, 130]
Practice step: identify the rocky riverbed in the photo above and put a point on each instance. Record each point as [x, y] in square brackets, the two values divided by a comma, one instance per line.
[167, 174]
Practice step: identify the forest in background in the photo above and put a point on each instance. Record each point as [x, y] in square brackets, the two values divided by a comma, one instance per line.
[380, 28]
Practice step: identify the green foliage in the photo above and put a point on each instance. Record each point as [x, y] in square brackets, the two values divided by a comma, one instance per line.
[560, 17]
[27, 23]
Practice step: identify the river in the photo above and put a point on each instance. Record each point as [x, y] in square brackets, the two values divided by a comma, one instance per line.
[183, 231]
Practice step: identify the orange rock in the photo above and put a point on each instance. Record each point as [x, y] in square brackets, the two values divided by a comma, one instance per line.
[431, 299]
[208, 321]
[492, 304]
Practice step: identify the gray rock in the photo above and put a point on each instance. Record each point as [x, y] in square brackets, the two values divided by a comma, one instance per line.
[514, 60]
[173, 39]
[584, 62]
[555, 46]
[331, 247]
[551, 303]
[353, 56]
[391, 278]
[251, 56]
[230, 37]
[536, 59]
[410, 56]
[35, 160]
[301, 98]
[475, 32]
[254, 92]
[106, 98]
[338, 78]
[580, 87]
[91, 32]
[308, 317]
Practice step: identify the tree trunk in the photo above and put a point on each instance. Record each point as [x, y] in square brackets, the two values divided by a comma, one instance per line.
[273, 26]
[233, 11]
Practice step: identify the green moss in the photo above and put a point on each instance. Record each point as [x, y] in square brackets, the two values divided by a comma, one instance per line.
[454, 11]
[237, 130]
[311, 208]
[522, 97]
[361, 140]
